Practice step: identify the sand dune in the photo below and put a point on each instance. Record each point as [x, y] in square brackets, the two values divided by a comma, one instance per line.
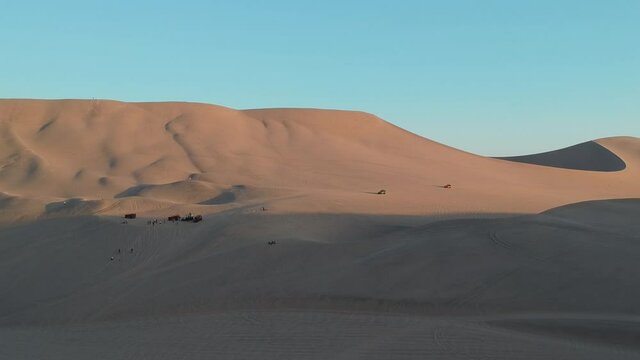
[521, 259]
[326, 161]
[589, 156]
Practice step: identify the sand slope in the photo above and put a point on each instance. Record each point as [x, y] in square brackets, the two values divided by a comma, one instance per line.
[185, 156]
[554, 285]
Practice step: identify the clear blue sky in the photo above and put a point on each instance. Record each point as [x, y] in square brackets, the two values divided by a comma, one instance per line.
[495, 77]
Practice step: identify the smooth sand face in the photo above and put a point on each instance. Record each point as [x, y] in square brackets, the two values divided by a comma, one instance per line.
[147, 157]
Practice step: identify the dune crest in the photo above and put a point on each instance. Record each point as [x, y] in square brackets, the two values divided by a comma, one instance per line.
[293, 160]
[589, 156]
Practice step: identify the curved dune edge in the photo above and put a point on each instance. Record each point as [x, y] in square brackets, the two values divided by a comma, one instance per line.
[588, 156]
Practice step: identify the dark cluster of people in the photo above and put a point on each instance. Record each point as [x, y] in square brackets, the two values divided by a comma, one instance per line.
[189, 218]
[174, 219]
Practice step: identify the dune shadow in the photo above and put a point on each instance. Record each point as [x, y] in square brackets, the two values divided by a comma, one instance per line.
[73, 205]
[224, 198]
[60, 205]
[132, 191]
[588, 156]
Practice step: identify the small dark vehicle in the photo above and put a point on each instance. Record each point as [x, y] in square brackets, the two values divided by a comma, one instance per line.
[382, 192]
[197, 218]
[130, 216]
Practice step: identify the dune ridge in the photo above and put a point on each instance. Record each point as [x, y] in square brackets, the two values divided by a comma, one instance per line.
[187, 155]
[589, 156]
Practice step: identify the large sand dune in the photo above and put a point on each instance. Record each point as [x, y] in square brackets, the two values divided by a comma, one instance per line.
[208, 158]
[528, 259]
